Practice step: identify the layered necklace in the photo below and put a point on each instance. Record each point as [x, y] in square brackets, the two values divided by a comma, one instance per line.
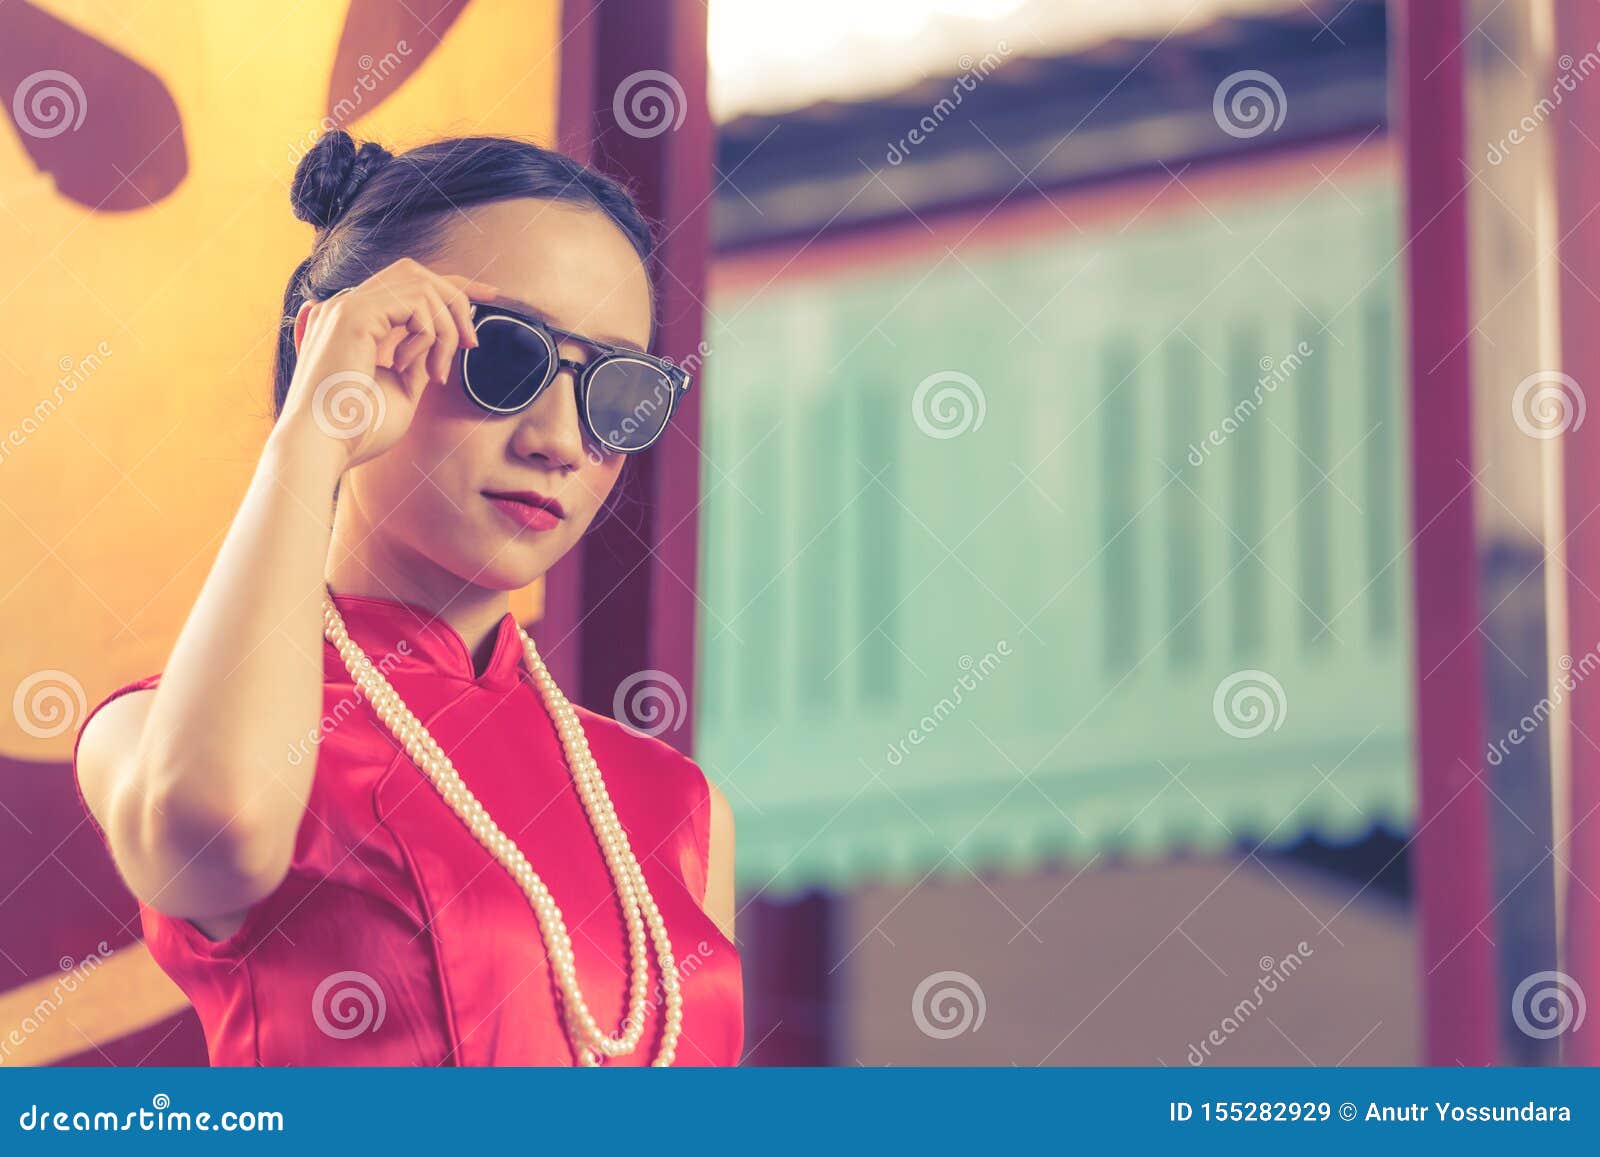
[589, 1041]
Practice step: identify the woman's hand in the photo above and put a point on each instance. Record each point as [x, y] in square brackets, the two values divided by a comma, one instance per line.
[368, 353]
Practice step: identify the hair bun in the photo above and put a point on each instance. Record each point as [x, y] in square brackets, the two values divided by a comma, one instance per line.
[329, 176]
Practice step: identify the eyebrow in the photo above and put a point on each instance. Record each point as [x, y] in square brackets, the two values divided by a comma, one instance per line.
[540, 315]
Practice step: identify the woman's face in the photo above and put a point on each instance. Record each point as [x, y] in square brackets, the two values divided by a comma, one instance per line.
[424, 500]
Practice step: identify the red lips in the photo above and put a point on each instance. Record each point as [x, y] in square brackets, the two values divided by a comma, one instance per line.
[529, 498]
[528, 509]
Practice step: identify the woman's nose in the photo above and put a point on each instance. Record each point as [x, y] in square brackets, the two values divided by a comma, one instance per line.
[550, 428]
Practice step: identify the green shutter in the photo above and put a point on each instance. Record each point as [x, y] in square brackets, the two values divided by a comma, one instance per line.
[1064, 555]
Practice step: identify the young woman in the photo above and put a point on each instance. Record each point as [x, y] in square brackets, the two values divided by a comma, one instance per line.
[363, 824]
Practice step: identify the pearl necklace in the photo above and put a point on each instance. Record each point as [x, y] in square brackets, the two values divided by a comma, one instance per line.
[586, 1035]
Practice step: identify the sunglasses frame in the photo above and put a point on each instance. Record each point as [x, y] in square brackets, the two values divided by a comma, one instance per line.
[677, 378]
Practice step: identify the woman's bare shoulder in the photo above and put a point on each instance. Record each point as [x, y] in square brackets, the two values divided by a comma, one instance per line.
[109, 735]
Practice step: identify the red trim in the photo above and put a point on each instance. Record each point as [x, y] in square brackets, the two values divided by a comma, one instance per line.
[1104, 205]
[635, 603]
[1577, 186]
[1451, 848]
[624, 600]
[575, 99]
[791, 1000]
[560, 623]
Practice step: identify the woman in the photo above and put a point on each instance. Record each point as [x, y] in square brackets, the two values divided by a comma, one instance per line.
[363, 824]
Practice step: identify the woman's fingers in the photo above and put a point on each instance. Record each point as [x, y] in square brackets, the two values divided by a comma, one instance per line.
[424, 319]
[446, 334]
[416, 372]
[457, 292]
[418, 321]
[388, 346]
[410, 352]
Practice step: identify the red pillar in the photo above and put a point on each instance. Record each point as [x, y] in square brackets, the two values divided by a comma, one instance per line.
[624, 600]
[1451, 849]
[1576, 121]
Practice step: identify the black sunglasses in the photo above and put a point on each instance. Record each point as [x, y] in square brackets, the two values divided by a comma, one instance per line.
[625, 398]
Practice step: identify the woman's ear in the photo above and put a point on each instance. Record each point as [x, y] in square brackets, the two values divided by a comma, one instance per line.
[301, 319]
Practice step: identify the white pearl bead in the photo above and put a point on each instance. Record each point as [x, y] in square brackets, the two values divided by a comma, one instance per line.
[639, 907]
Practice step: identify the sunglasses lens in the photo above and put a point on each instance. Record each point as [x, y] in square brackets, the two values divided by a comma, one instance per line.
[629, 403]
[509, 365]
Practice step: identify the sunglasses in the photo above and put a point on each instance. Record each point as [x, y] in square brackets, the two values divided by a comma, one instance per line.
[625, 398]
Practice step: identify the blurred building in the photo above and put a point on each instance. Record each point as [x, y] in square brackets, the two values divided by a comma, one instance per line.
[1050, 572]
[1055, 431]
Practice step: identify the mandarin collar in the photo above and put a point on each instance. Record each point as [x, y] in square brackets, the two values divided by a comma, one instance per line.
[432, 646]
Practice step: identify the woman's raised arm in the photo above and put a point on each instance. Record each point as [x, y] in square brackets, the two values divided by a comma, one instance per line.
[195, 781]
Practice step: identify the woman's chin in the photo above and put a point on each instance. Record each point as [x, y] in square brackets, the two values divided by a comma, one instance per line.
[513, 562]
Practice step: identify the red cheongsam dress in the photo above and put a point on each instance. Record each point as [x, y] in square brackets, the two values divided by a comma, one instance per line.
[396, 939]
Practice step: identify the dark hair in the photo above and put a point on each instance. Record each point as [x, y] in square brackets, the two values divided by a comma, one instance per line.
[371, 208]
